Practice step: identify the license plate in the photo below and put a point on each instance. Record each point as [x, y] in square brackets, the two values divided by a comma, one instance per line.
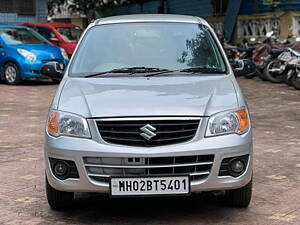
[139, 186]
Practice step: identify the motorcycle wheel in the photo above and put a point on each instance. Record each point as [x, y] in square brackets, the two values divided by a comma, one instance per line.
[286, 77]
[274, 78]
[260, 74]
[250, 76]
[295, 80]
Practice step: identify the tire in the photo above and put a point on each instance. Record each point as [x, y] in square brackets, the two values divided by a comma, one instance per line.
[287, 76]
[241, 197]
[12, 74]
[250, 76]
[274, 78]
[260, 74]
[55, 81]
[58, 199]
[296, 81]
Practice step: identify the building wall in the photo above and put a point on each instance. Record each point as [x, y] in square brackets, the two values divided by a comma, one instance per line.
[147, 7]
[202, 8]
[187, 7]
[40, 16]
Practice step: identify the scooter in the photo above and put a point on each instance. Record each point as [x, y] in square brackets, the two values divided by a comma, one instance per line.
[276, 66]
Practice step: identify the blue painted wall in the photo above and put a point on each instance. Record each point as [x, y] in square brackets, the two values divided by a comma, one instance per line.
[147, 7]
[40, 16]
[188, 7]
[202, 8]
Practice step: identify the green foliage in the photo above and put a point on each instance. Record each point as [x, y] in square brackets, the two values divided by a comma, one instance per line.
[272, 3]
[89, 8]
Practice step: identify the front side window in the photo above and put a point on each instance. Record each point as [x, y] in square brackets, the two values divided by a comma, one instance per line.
[170, 46]
[45, 32]
[71, 34]
[19, 36]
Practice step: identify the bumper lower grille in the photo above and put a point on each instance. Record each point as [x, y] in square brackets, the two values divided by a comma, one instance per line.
[52, 60]
[156, 132]
[101, 168]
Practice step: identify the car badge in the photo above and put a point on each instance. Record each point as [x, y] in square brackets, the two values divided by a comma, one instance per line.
[148, 132]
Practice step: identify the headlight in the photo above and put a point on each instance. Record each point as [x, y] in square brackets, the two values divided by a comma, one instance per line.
[31, 57]
[64, 54]
[67, 124]
[228, 123]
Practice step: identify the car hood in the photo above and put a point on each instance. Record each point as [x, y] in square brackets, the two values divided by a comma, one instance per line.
[155, 96]
[43, 51]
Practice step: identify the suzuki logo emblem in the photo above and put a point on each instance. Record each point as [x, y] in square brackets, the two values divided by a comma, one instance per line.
[148, 132]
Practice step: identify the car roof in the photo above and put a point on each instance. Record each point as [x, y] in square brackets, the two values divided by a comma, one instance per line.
[11, 26]
[150, 18]
[51, 24]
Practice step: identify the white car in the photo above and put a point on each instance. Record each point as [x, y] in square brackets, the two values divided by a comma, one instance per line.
[148, 105]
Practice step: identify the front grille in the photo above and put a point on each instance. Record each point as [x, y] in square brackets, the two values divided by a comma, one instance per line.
[102, 168]
[52, 60]
[128, 132]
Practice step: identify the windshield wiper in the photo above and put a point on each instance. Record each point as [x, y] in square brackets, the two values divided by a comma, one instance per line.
[189, 70]
[203, 70]
[160, 72]
[130, 70]
[106, 72]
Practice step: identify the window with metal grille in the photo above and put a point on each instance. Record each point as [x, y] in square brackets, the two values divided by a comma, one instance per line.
[8, 6]
[26, 7]
[22, 7]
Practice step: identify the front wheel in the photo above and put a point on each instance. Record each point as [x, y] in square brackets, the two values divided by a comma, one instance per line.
[240, 197]
[273, 71]
[260, 74]
[12, 74]
[250, 76]
[295, 80]
[58, 199]
[287, 76]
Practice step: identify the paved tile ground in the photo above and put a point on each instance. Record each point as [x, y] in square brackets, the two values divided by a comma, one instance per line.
[276, 199]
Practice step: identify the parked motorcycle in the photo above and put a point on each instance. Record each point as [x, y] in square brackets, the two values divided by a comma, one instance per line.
[277, 64]
[265, 56]
[232, 53]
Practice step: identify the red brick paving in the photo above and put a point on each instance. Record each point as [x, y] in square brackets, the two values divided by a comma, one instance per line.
[276, 199]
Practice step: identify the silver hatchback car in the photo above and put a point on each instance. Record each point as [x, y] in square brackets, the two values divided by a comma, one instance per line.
[148, 106]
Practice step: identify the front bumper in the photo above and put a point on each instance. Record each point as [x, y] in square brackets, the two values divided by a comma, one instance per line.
[32, 70]
[75, 149]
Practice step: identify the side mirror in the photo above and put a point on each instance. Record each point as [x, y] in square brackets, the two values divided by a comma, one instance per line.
[54, 40]
[53, 70]
[244, 67]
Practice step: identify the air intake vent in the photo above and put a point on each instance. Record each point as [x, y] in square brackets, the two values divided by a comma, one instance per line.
[102, 168]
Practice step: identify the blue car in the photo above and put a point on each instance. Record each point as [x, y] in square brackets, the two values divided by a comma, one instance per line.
[23, 52]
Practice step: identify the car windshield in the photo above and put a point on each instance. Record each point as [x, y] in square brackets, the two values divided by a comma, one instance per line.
[70, 33]
[20, 36]
[169, 46]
